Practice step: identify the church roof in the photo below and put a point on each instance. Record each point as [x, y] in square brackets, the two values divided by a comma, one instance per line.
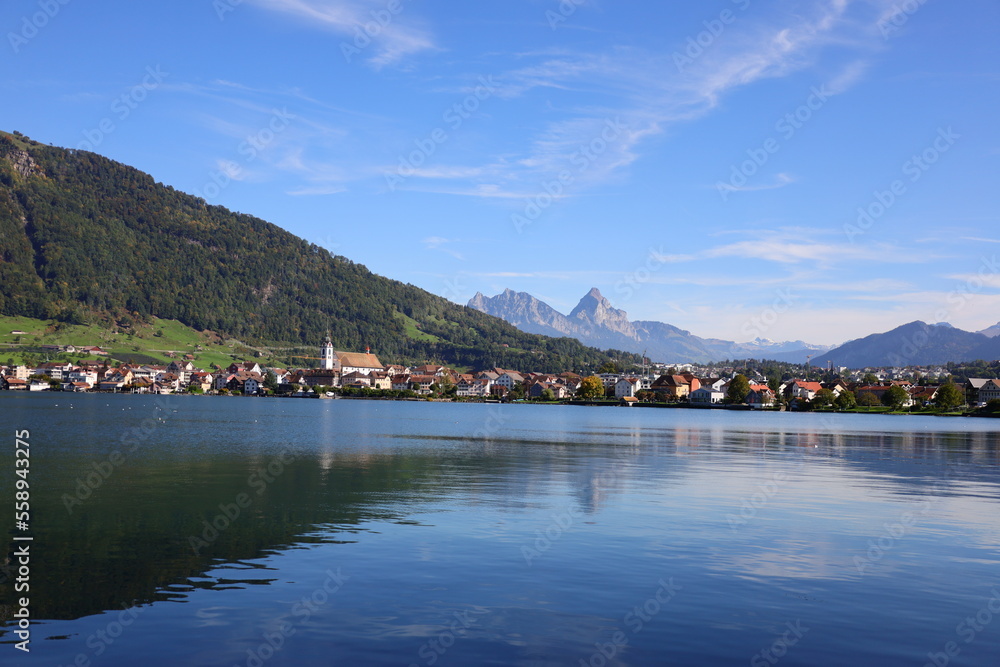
[358, 360]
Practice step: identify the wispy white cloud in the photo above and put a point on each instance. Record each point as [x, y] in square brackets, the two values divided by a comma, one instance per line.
[644, 93]
[316, 190]
[440, 243]
[395, 39]
[780, 180]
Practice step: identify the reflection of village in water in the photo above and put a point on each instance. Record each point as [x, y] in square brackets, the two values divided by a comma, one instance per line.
[345, 470]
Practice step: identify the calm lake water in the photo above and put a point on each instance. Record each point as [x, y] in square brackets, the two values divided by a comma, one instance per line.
[368, 533]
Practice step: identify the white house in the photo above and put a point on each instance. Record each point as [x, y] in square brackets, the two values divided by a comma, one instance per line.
[477, 388]
[83, 375]
[627, 387]
[707, 395]
[509, 380]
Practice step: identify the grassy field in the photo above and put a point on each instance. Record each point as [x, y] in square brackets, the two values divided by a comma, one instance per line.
[413, 330]
[157, 342]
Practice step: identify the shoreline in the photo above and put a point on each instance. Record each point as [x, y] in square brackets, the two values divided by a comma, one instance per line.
[598, 404]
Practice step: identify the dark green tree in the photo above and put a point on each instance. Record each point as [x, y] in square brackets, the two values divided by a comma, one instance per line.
[845, 400]
[949, 397]
[867, 399]
[738, 390]
[823, 399]
[895, 398]
[271, 381]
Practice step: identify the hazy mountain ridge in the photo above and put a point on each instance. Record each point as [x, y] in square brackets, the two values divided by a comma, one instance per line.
[991, 332]
[917, 344]
[594, 321]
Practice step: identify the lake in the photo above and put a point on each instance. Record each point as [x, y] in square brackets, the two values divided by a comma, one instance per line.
[237, 531]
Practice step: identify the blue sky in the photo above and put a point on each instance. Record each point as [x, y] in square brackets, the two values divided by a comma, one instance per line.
[793, 170]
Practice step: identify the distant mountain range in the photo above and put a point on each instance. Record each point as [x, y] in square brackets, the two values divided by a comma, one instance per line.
[993, 331]
[916, 344]
[596, 322]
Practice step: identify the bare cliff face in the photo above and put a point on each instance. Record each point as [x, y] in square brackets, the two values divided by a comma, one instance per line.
[596, 313]
[525, 312]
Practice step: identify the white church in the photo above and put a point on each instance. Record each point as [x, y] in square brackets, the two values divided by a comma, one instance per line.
[348, 362]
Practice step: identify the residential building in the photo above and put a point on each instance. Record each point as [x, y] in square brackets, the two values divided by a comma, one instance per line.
[707, 395]
[760, 396]
[673, 387]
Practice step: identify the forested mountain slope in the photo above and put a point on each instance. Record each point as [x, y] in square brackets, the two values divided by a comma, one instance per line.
[85, 239]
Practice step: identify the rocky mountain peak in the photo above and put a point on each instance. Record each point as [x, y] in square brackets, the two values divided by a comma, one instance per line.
[597, 311]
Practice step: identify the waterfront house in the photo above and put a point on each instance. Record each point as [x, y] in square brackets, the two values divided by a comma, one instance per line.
[923, 395]
[980, 390]
[509, 379]
[760, 396]
[627, 387]
[474, 388]
[876, 390]
[78, 387]
[83, 375]
[671, 387]
[13, 383]
[537, 389]
[422, 383]
[989, 391]
[803, 390]
[707, 395]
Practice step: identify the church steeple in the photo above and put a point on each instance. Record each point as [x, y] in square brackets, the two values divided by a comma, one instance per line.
[326, 353]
